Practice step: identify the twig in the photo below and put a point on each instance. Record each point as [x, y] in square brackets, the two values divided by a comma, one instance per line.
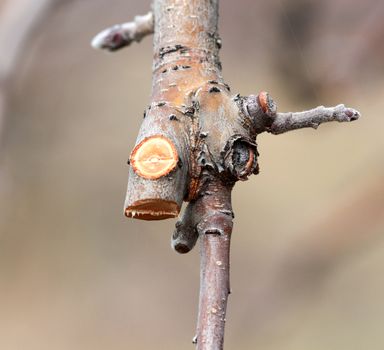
[209, 217]
[122, 35]
[215, 228]
[262, 109]
[284, 122]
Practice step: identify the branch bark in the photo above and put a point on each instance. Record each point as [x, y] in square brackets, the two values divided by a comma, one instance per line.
[197, 139]
[215, 228]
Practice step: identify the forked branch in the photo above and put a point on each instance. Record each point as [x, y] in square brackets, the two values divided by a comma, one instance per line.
[196, 141]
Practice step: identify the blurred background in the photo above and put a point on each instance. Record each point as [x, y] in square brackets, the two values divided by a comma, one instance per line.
[308, 243]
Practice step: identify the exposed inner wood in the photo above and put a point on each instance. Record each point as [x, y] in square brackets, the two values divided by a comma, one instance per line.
[152, 209]
[154, 157]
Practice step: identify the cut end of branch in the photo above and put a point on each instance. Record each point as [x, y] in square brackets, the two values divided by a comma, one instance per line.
[154, 157]
[181, 246]
[185, 236]
[152, 209]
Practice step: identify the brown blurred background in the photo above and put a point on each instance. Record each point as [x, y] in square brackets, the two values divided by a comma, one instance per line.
[308, 244]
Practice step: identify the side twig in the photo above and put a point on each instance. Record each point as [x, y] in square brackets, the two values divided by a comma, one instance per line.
[284, 122]
[122, 35]
[263, 110]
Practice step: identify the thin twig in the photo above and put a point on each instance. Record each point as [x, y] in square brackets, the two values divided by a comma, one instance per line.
[215, 229]
[263, 112]
[214, 290]
[284, 122]
[122, 35]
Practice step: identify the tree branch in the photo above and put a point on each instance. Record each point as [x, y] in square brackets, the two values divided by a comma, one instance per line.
[122, 35]
[196, 141]
[210, 218]
[215, 228]
[284, 122]
[263, 112]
